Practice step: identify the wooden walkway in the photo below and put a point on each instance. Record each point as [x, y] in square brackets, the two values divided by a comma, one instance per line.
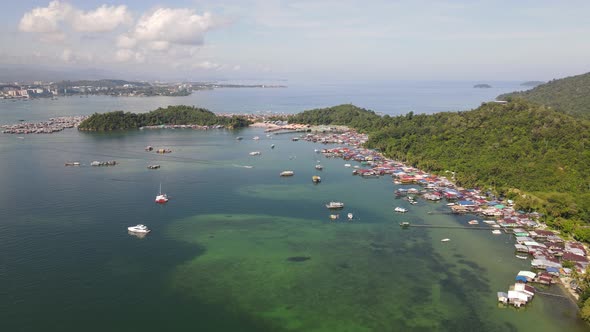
[452, 227]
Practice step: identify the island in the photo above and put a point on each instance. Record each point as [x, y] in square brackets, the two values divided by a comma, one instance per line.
[482, 86]
[181, 116]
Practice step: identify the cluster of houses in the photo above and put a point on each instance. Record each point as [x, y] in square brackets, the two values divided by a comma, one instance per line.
[548, 251]
[45, 127]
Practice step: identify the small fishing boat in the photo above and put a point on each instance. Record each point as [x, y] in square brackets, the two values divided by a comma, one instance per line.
[255, 138]
[445, 240]
[334, 216]
[350, 216]
[335, 205]
[255, 153]
[287, 173]
[404, 224]
[316, 150]
[473, 222]
[239, 138]
[272, 146]
[347, 165]
[496, 232]
[319, 167]
[522, 256]
[153, 166]
[400, 210]
[316, 179]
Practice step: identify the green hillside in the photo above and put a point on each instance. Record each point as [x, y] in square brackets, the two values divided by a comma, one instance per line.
[172, 115]
[570, 95]
[531, 153]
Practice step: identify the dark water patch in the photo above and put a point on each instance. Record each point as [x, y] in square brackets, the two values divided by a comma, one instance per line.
[298, 258]
[343, 265]
[472, 265]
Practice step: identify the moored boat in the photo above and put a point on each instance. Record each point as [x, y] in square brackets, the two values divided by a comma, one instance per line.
[334, 216]
[161, 198]
[316, 179]
[139, 229]
[287, 173]
[255, 153]
[335, 205]
[496, 232]
[400, 210]
[404, 224]
[473, 222]
[319, 167]
[350, 216]
[445, 240]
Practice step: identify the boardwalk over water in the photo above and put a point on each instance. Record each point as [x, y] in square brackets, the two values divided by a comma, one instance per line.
[486, 228]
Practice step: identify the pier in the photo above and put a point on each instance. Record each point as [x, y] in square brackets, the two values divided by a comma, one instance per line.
[450, 227]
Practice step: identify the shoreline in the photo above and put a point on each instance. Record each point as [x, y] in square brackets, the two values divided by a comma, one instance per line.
[562, 280]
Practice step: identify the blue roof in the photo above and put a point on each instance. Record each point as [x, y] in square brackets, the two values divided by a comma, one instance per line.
[466, 203]
[552, 269]
[521, 278]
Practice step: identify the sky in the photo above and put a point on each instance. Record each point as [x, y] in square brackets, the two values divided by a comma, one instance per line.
[329, 40]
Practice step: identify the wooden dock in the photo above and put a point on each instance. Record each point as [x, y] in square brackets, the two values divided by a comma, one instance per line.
[482, 228]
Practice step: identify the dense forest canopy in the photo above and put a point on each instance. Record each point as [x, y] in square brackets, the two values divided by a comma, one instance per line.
[570, 95]
[172, 115]
[528, 152]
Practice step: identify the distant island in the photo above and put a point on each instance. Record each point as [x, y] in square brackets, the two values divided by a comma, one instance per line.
[532, 83]
[111, 87]
[482, 86]
[171, 116]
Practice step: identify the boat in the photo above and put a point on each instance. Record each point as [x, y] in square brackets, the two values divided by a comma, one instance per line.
[255, 153]
[445, 240]
[316, 150]
[149, 148]
[255, 138]
[319, 167]
[316, 179]
[161, 198]
[489, 222]
[400, 210]
[239, 138]
[74, 163]
[347, 165]
[334, 216]
[139, 229]
[496, 232]
[272, 146]
[295, 139]
[153, 166]
[350, 216]
[335, 205]
[287, 173]
[404, 224]
[473, 222]
[521, 256]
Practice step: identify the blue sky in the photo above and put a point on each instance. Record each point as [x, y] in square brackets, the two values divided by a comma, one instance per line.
[303, 39]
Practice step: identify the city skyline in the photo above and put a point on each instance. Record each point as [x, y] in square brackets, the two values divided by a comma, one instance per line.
[299, 40]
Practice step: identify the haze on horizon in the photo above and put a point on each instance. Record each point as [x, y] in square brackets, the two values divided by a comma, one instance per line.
[300, 39]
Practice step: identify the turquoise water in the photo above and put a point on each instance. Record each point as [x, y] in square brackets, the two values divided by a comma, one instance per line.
[235, 249]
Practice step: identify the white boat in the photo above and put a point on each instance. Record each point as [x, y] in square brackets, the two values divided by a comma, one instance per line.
[316, 179]
[255, 153]
[161, 198]
[400, 210]
[522, 256]
[450, 204]
[316, 150]
[445, 240]
[350, 216]
[334, 216]
[287, 173]
[239, 138]
[473, 222]
[256, 138]
[496, 232]
[490, 222]
[139, 229]
[335, 205]
[319, 167]
[346, 165]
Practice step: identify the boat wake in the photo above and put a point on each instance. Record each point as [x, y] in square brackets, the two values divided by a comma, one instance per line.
[243, 166]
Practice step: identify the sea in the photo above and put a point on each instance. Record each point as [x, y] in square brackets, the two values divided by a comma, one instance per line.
[237, 247]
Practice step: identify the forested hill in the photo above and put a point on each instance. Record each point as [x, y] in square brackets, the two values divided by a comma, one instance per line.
[172, 115]
[518, 145]
[570, 95]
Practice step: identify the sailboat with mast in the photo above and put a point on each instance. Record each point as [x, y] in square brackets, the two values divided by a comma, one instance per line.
[161, 198]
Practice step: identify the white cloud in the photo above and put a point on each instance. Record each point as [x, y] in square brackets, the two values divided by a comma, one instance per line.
[104, 18]
[123, 41]
[160, 45]
[179, 26]
[236, 67]
[45, 19]
[66, 55]
[125, 55]
[53, 18]
[206, 65]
